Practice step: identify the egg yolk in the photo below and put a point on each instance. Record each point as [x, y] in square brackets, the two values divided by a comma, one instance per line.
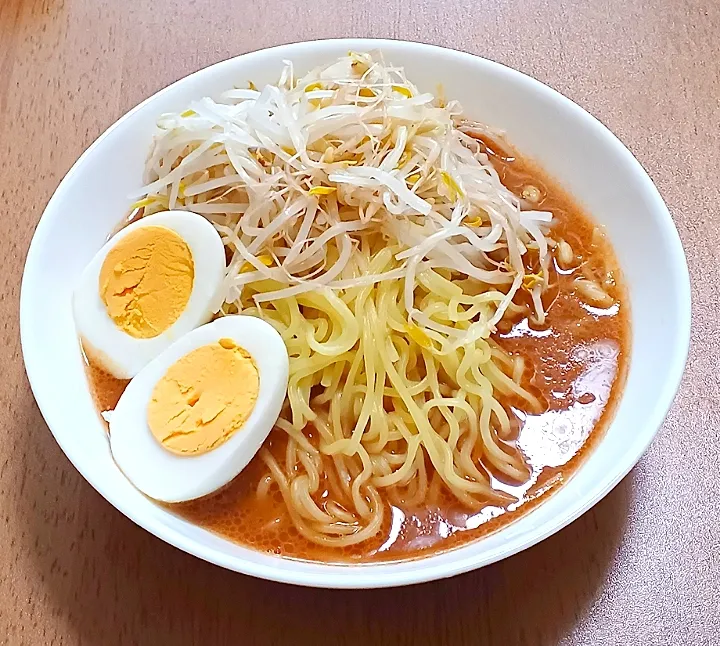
[203, 398]
[146, 281]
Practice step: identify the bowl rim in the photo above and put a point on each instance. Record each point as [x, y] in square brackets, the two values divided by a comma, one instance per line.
[335, 575]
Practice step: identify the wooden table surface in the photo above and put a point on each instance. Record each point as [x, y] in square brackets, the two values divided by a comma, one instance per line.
[642, 567]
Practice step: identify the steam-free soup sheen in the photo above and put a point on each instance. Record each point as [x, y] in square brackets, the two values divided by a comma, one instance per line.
[577, 363]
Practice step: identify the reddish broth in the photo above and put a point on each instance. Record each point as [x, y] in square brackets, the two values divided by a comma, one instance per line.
[575, 362]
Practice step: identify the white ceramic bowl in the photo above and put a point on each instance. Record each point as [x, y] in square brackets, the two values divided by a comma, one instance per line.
[573, 146]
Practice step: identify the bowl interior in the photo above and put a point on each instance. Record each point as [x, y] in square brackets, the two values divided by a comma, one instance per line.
[570, 144]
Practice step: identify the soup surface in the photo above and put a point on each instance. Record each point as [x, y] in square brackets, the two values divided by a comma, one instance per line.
[575, 363]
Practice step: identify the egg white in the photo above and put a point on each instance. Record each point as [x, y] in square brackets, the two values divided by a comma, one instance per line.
[169, 477]
[122, 354]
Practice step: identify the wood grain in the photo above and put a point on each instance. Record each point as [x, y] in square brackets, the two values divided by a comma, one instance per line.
[642, 567]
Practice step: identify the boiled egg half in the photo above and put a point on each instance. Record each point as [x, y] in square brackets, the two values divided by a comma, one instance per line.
[155, 280]
[194, 417]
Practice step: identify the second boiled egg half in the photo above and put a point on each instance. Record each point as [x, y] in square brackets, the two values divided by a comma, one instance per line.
[194, 417]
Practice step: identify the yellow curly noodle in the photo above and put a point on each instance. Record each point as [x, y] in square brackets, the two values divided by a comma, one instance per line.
[368, 229]
[385, 402]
